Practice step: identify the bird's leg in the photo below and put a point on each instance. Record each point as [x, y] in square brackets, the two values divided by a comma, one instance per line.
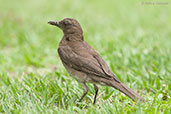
[96, 92]
[85, 91]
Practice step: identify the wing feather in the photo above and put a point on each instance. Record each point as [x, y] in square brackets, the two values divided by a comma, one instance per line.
[79, 63]
[85, 59]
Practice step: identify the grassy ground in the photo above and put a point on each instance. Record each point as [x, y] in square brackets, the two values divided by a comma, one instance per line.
[134, 38]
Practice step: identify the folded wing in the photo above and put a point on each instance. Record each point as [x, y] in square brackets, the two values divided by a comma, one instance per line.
[92, 63]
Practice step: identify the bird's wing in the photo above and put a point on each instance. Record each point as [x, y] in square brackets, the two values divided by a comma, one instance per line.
[101, 62]
[88, 65]
[105, 67]
[86, 59]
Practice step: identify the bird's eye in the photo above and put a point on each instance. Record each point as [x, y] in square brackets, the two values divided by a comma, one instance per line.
[74, 25]
[65, 23]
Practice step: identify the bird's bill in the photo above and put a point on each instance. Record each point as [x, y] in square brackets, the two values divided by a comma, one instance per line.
[55, 23]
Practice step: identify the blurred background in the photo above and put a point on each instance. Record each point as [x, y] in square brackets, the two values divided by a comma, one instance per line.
[26, 38]
[134, 37]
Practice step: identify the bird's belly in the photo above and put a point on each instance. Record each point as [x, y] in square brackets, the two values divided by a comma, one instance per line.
[83, 77]
[79, 76]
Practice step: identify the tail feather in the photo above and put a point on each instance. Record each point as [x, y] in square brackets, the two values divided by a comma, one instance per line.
[127, 91]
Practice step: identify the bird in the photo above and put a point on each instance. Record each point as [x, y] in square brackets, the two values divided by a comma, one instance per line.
[84, 63]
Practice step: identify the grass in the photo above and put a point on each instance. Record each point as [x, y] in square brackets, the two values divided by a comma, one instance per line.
[133, 38]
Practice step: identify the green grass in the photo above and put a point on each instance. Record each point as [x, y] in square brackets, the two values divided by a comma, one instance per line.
[134, 39]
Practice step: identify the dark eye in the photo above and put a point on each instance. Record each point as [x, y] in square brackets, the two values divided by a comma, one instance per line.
[74, 25]
[65, 23]
[67, 38]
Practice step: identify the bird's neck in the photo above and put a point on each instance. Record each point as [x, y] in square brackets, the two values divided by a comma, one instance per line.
[74, 37]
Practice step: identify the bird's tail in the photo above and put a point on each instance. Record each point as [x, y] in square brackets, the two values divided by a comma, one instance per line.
[127, 91]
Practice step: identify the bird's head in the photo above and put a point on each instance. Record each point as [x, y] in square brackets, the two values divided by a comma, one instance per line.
[68, 26]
